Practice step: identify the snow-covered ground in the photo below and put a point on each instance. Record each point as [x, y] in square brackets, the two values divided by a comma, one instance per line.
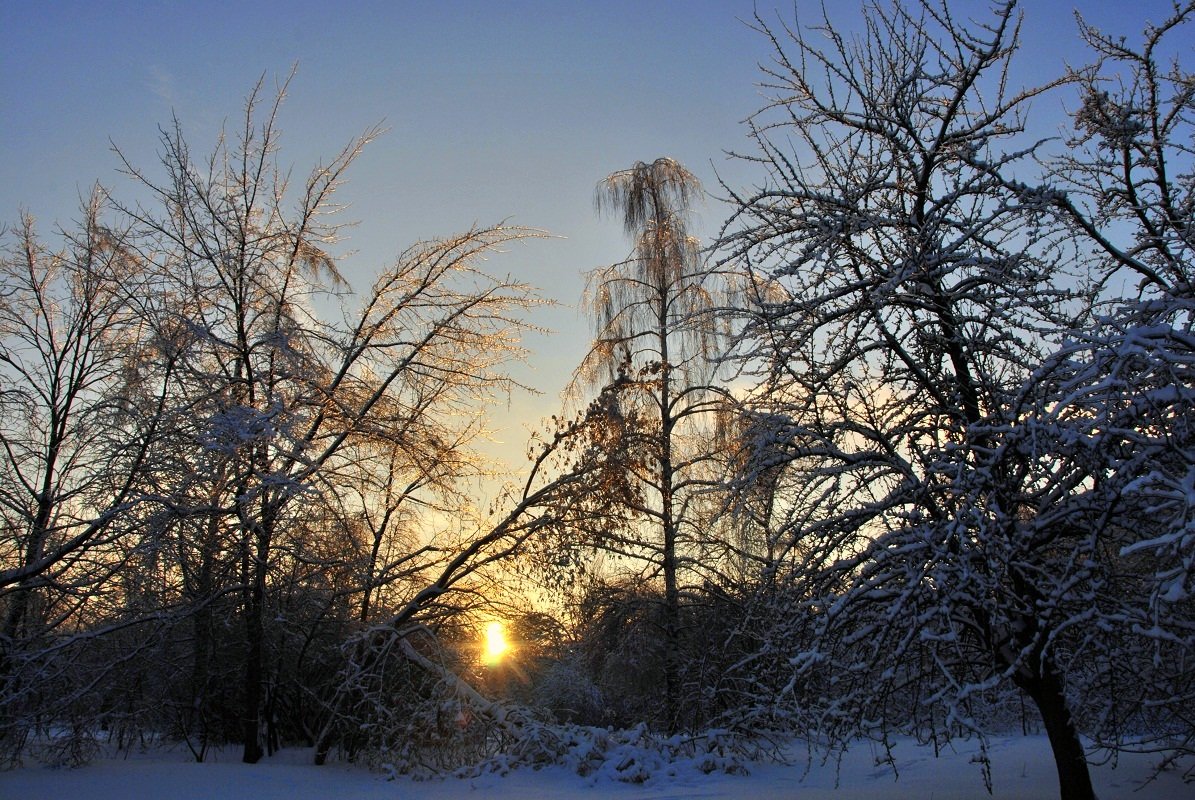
[1021, 768]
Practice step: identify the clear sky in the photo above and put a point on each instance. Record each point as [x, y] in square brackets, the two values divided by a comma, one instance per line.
[495, 110]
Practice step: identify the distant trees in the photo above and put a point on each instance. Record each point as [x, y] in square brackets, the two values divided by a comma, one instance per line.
[924, 315]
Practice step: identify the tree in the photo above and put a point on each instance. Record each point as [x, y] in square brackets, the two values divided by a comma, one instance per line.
[285, 405]
[553, 498]
[73, 453]
[909, 292]
[1105, 429]
[653, 419]
[280, 488]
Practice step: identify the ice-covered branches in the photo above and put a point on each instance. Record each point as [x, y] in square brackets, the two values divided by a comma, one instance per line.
[996, 444]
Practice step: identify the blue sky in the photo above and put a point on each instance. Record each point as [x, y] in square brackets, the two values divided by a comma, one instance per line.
[495, 110]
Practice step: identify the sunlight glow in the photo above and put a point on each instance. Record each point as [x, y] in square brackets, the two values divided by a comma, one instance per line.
[495, 646]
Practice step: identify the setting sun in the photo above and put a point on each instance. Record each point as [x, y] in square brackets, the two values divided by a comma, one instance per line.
[495, 646]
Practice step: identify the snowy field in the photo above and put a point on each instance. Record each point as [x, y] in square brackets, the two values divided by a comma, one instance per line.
[1021, 768]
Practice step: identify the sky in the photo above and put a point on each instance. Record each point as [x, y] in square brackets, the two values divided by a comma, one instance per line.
[494, 111]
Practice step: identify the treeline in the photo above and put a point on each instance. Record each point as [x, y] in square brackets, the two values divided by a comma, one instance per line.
[908, 450]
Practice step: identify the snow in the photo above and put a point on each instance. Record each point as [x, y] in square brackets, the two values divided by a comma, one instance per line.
[1021, 768]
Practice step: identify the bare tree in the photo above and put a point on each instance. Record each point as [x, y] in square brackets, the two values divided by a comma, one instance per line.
[73, 455]
[909, 291]
[554, 497]
[1105, 427]
[284, 400]
[654, 418]
[1125, 171]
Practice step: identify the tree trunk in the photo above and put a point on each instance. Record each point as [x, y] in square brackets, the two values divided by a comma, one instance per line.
[255, 648]
[672, 689]
[16, 621]
[251, 712]
[1046, 691]
[196, 719]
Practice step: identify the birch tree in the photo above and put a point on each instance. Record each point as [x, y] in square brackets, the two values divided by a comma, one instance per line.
[654, 417]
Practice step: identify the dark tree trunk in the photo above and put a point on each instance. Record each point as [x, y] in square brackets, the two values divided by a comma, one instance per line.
[1045, 689]
[672, 688]
[196, 725]
[672, 666]
[251, 714]
[255, 647]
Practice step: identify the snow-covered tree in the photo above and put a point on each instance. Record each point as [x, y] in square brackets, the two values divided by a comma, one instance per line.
[918, 308]
[1104, 438]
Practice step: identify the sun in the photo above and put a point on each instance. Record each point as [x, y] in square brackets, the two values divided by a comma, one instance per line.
[495, 646]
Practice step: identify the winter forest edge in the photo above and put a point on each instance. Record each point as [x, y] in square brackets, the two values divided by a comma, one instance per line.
[902, 452]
